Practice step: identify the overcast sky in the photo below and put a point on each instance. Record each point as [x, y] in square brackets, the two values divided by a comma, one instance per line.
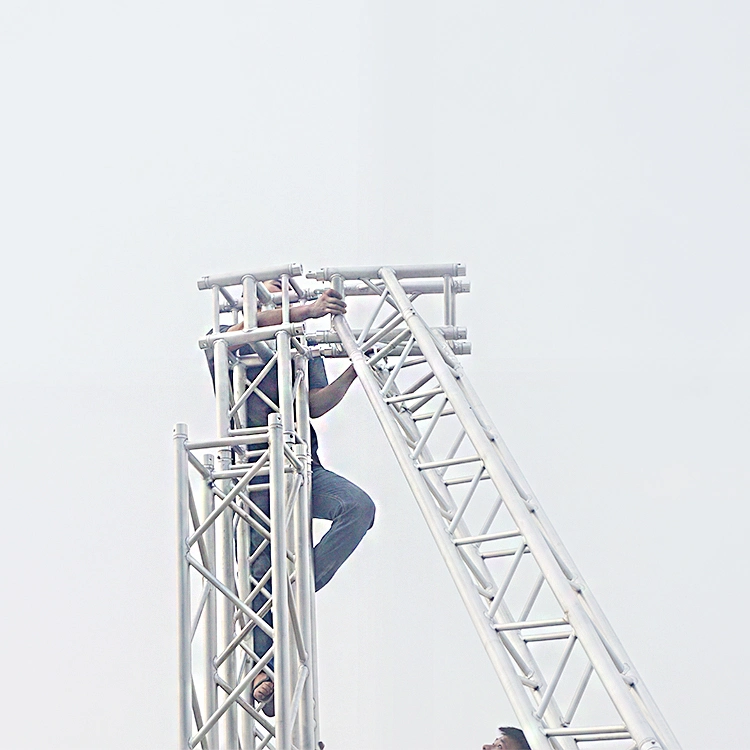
[587, 161]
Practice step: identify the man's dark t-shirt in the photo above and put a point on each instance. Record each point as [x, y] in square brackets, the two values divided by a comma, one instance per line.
[257, 409]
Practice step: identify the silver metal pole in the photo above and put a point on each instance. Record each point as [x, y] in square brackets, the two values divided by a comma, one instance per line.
[284, 370]
[449, 301]
[228, 670]
[249, 303]
[305, 583]
[401, 272]
[209, 614]
[279, 582]
[231, 279]
[242, 541]
[185, 690]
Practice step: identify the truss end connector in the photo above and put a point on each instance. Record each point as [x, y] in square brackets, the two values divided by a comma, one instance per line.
[575, 584]
[628, 676]
[649, 744]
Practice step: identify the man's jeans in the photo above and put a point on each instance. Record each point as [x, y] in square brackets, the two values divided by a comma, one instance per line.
[335, 499]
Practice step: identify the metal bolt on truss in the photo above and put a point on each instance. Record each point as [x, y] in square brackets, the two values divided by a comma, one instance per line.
[566, 674]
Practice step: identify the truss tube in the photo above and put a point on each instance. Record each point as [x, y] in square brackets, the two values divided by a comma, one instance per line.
[401, 272]
[663, 729]
[221, 375]
[232, 279]
[209, 615]
[238, 338]
[185, 689]
[285, 382]
[279, 582]
[449, 301]
[640, 729]
[225, 544]
[304, 584]
[242, 540]
[495, 650]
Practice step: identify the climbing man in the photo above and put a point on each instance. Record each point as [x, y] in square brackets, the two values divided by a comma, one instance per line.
[334, 498]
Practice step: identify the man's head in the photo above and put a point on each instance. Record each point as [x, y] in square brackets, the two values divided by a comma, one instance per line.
[510, 738]
[273, 285]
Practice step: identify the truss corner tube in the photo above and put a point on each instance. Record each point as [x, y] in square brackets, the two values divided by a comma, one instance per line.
[279, 583]
[265, 274]
[226, 565]
[249, 303]
[185, 690]
[304, 560]
[209, 615]
[449, 301]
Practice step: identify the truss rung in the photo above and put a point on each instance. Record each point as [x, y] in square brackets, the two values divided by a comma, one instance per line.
[258, 432]
[560, 636]
[604, 737]
[413, 396]
[421, 417]
[238, 473]
[464, 480]
[226, 442]
[501, 626]
[487, 537]
[447, 462]
[587, 731]
[502, 553]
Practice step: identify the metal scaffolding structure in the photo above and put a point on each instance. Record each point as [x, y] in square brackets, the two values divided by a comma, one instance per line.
[566, 674]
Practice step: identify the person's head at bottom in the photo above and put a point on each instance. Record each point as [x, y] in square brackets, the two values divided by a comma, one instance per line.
[510, 738]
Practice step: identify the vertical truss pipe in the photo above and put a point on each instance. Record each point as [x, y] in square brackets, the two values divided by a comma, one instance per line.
[209, 615]
[279, 582]
[305, 584]
[558, 582]
[228, 670]
[185, 689]
[284, 369]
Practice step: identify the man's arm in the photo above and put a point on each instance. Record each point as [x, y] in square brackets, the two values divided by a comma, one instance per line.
[323, 400]
[329, 302]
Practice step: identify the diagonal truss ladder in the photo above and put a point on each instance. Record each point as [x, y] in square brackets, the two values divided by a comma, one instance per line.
[565, 673]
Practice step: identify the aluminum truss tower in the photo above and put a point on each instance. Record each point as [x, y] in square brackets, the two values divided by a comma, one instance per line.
[566, 674]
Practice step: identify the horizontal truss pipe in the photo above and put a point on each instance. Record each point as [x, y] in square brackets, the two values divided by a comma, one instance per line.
[583, 731]
[487, 537]
[426, 286]
[450, 333]
[335, 351]
[400, 272]
[259, 433]
[502, 626]
[266, 274]
[238, 338]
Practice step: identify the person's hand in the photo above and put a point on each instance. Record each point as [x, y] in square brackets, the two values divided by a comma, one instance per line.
[329, 303]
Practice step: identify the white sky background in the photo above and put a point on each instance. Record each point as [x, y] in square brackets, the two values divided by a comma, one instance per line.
[588, 161]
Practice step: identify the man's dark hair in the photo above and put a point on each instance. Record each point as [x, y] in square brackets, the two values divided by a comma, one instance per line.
[517, 736]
